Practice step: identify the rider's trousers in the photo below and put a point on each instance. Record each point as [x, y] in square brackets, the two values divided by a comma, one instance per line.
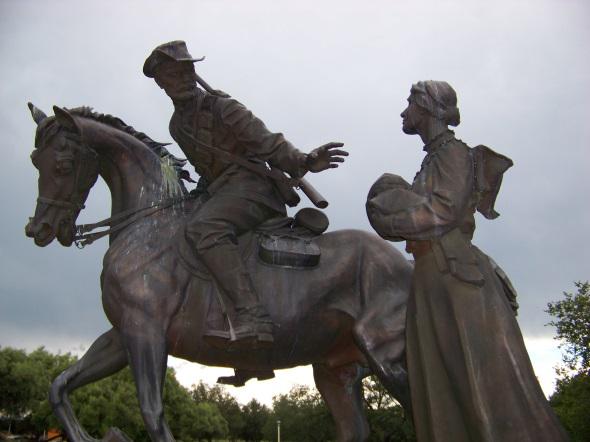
[213, 231]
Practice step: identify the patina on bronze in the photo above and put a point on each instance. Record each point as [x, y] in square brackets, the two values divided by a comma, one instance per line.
[230, 149]
[470, 375]
[346, 316]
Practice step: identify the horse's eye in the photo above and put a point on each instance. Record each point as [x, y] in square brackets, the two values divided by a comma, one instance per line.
[65, 167]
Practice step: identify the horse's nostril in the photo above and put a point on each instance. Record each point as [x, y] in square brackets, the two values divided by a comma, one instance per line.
[39, 231]
[30, 229]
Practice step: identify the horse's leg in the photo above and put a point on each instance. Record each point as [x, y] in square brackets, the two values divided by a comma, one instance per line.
[383, 342]
[341, 389]
[146, 346]
[394, 377]
[105, 357]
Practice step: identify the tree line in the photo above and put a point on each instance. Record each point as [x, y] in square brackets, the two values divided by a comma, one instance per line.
[202, 412]
[209, 413]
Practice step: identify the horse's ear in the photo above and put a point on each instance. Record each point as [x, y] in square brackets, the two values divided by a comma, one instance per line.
[37, 114]
[65, 119]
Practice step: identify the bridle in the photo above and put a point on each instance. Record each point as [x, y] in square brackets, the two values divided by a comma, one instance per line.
[71, 207]
[85, 165]
[86, 175]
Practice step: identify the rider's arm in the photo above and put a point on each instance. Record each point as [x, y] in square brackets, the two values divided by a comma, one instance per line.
[251, 133]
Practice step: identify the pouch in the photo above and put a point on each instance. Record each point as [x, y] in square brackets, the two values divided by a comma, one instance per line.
[454, 248]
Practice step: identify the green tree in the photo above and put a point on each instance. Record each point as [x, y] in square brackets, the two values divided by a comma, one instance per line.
[573, 326]
[571, 402]
[15, 383]
[111, 402]
[226, 404]
[25, 381]
[256, 416]
[190, 420]
[571, 399]
[387, 419]
[304, 417]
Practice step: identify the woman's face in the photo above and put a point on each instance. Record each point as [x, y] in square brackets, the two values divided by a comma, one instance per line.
[411, 117]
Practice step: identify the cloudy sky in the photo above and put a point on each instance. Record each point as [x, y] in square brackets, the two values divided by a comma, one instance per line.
[317, 71]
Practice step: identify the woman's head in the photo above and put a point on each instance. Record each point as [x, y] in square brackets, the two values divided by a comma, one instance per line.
[438, 99]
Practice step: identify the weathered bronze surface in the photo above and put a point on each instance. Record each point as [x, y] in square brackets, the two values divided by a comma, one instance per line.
[346, 316]
[230, 149]
[470, 375]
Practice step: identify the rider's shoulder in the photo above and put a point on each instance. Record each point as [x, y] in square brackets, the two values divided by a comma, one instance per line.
[225, 107]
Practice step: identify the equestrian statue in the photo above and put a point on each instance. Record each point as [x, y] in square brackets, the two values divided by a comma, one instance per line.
[219, 275]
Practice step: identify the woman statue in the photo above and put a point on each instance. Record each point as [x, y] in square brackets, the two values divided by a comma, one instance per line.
[470, 375]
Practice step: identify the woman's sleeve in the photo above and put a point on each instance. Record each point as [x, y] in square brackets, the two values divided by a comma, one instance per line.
[400, 213]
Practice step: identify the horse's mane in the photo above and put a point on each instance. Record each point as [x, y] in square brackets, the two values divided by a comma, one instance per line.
[116, 123]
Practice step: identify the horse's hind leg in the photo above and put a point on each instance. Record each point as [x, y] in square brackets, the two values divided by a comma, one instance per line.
[394, 377]
[382, 340]
[105, 357]
[341, 389]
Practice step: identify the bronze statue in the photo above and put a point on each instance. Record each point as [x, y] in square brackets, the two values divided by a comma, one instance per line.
[344, 313]
[239, 199]
[470, 375]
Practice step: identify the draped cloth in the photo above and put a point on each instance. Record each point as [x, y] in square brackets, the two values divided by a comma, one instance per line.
[470, 375]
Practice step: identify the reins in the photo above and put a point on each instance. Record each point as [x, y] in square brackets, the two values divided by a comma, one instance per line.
[83, 237]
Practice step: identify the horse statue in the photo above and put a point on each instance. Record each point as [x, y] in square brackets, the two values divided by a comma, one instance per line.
[345, 316]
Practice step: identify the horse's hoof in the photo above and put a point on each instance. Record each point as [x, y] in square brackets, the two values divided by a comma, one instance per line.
[115, 435]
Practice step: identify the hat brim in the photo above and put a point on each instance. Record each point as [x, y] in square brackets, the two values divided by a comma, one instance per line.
[150, 65]
[194, 60]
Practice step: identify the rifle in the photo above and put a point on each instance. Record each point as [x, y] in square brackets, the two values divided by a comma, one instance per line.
[300, 183]
[262, 169]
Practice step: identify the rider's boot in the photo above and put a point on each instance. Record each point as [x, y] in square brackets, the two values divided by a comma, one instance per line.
[251, 322]
[243, 375]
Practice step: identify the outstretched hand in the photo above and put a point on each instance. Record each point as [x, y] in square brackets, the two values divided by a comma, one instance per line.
[325, 157]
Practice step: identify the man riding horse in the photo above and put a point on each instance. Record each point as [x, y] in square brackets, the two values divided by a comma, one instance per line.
[231, 150]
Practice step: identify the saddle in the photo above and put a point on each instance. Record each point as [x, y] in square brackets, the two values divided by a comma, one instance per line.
[283, 242]
[287, 242]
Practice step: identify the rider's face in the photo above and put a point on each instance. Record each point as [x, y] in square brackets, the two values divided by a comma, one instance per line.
[177, 78]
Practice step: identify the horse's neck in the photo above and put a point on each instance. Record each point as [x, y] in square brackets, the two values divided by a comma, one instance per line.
[131, 169]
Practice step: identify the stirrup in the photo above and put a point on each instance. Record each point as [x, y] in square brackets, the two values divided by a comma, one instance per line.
[236, 338]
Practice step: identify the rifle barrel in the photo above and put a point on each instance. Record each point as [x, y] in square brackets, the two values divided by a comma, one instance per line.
[314, 196]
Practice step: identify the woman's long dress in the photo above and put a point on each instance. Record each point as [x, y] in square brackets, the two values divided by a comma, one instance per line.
[470, 375]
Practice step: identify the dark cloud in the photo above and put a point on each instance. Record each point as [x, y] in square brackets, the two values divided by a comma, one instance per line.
[318, 72]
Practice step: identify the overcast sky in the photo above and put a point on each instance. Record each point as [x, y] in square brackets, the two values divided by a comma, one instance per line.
[316, 71]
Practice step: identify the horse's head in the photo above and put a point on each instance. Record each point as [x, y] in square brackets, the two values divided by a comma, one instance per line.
[68, 168]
